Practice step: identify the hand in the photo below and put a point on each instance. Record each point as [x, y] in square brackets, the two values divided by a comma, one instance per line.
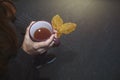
[34, 48]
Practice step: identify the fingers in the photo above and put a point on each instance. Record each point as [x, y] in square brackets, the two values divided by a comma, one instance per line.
[55, 31]
[52, 43]
[42, 50]
[46, 43]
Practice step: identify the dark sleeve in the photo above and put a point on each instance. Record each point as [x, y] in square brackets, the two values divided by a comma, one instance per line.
[20, 68]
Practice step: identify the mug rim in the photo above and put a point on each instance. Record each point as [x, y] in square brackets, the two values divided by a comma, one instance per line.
[35, 23]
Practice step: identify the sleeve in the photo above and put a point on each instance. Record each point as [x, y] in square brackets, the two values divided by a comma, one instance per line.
[20, 68]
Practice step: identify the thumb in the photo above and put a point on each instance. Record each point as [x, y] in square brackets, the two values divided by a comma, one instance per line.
[28, 28]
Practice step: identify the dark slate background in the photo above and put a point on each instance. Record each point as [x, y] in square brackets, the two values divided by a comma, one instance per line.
[92, 51]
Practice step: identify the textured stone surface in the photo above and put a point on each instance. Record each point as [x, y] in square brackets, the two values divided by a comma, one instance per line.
[92, 52]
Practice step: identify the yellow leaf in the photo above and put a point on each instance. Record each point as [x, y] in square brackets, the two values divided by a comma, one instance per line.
[57, 22]
[67, 28]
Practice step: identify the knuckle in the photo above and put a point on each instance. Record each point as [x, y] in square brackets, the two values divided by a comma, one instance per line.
[46, 44]
[35, 47]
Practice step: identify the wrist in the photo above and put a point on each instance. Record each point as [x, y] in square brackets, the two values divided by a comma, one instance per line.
[28, 51]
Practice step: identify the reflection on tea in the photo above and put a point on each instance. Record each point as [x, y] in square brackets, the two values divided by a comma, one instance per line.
[42, 34]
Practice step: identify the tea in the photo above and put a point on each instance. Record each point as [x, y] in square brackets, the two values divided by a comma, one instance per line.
[42, 34]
